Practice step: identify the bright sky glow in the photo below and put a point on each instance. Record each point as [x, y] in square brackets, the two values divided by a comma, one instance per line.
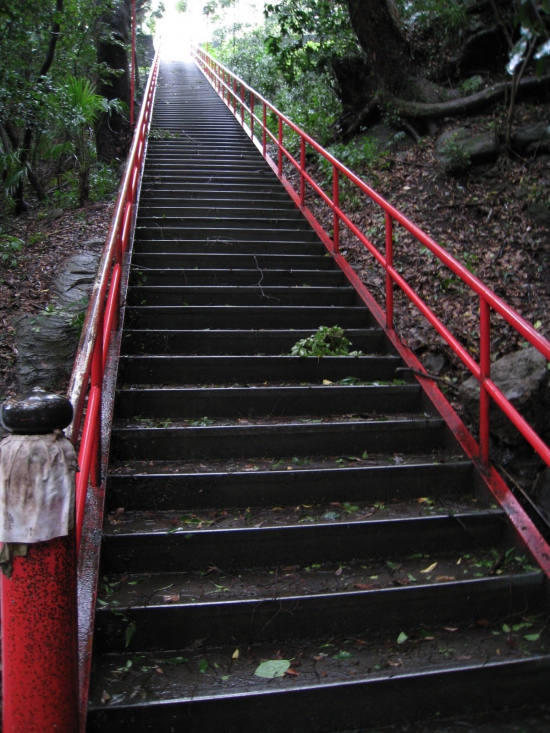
[181, 30]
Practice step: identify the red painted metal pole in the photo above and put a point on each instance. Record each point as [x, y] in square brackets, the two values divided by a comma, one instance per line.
[242, 104]
[336, 203]
[39, 609]
[251, 115]
[133, 64]
[389, 263]
[264, 130]
[39, 640]
[302, 170]
[280, 139]
[485, 368]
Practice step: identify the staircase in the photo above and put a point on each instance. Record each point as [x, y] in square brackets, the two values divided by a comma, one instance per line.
[312, 514]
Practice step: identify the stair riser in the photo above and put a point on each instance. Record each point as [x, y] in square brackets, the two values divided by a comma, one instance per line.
[220, 295]
[236, 342]
[275, 402]
[354, 613]
[227, 370]
[174, 444]
[259, 489]
[308, 253]
[215, 210]
[399, 699]
[187, 195]
[269, 278]
[185, 317]
[300, 545]
[230, 230]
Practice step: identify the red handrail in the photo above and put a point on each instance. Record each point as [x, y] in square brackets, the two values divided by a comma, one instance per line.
[101, 318]
[228, 85]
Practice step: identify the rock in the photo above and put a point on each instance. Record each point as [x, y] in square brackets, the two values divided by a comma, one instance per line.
[53, 215]
[533, 139]
[457, 149]
[46, 346]
[46, 342]
[435, 363]
[541, 492]
[389, 138]
[523, 378]
[539, 213]
[71, 288]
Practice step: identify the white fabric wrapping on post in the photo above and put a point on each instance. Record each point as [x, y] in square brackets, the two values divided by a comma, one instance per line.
[37, 487]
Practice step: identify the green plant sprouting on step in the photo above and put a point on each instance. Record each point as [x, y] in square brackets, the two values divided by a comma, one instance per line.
[327, 341]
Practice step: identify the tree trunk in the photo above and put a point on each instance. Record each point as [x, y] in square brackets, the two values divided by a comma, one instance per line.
[376, 24]
[113, 131]
[20, 204]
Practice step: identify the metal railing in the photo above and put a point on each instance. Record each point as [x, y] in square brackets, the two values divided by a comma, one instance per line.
[245, 103]
[102, 315]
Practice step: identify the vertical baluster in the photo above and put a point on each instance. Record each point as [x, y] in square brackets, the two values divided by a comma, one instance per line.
[242, 103]
[280, 138]
[336, 205]
[485, 367]
[264, 130]
[302, 170]
[389, 280]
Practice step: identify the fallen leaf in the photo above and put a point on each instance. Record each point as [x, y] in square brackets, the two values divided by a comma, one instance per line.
[429, 568]
[532, 637]
[327, 381]
[399, 663]
[292, 672]
[171, 599]
[445, 578]
[159, 670]
[339, 571]
[402, 638]
[105, 697]
[464, 658]
[235, 654]
[363, 586]
[343, 655]
[203, 665]
[450, 628]
[318, 658]
[272, 668]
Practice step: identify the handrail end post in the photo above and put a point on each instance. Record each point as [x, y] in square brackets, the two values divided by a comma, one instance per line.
[39, 566]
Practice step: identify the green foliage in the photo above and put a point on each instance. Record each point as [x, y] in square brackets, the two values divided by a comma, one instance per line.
[423, 14]
[456, 158]
[327, 341]
[534, 40]
[472, 85]
[10, 247]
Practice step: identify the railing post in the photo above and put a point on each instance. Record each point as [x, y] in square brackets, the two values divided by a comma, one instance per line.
[242, 103]
[336, 205]
[38, 561]
[264, 130]
[96, 381]
[389, 280]
[485, 369]
[235, 96]
[302, 170]
[252, 115]
[280, 139]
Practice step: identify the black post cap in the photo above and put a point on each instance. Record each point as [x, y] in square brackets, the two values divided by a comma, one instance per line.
[36, 412]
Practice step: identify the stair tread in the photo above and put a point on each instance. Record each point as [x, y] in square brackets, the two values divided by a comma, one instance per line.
[337, 658]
